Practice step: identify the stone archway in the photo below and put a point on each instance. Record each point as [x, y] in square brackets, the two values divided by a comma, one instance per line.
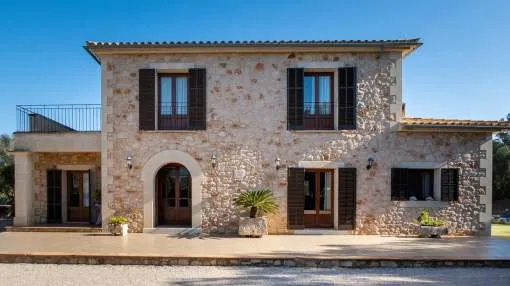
[149, 172]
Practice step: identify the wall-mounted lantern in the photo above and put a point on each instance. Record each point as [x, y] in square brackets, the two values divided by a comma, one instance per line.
[277, 163]
[129, 163]
[370, 163]
[214, 161]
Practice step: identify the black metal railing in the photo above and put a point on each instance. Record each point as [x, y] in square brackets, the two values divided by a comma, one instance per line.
[315, 115]
[58, 118]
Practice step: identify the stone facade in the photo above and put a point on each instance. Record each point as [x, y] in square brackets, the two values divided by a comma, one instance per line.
[246, 130]
[62, 161]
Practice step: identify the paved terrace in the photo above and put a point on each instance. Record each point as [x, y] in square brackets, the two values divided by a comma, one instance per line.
[289, 250]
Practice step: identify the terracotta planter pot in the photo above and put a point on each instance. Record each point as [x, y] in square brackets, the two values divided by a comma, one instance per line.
[118, 229]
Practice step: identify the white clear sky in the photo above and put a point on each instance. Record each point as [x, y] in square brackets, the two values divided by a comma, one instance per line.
[462, 71]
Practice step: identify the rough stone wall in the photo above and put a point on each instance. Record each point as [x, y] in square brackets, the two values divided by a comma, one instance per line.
[246, 129]
[48, 161]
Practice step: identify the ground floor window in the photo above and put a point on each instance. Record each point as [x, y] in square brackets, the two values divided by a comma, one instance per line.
[419, 184]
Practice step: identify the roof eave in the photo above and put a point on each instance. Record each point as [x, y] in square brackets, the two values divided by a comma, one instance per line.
[92, 54]
[450, 128]
[95, 48]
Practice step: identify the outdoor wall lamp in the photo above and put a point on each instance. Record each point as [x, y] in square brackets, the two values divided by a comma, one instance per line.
[277, 163]
[129, 164]
[370, 163]
[214, 162]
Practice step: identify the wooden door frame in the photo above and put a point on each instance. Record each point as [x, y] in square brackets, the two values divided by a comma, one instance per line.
[68, 196]
[159, 190]
[317, 172]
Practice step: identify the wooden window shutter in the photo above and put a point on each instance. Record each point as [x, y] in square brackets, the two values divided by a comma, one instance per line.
[197, 98]
[346, 198]
[347, 85]
[399, 184]
[295, 98]
[147, 99]
[296, 198]
[449, 185]
[54, 196]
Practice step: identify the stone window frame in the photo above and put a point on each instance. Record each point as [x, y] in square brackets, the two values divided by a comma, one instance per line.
[324, 67]
[437, 202]
[169, 68]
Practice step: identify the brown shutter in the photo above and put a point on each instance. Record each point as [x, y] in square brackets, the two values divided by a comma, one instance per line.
[147, 98]
[449, 185]
[54, 196]
[346, 198]
[296, 198]
[295, 98]
[197, 99]
[347, 98]
[399, 184]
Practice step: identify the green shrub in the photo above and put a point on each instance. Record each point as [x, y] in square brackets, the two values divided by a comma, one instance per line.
[424, 219]
[118, 220]
[261, 200]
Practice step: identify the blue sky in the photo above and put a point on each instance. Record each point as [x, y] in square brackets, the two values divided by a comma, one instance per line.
[461, 71]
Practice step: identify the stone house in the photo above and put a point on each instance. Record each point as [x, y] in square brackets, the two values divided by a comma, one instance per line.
[183, 127]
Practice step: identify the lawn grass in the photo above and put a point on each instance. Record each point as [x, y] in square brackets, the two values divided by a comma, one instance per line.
[501, 230]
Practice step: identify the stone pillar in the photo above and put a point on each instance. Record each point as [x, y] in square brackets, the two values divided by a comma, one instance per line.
[23, 188]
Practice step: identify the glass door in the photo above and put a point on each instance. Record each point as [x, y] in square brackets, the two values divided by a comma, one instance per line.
[78, 196]
[318, 191]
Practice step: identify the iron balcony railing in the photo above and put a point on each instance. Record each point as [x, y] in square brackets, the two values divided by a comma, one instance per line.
[58, 118]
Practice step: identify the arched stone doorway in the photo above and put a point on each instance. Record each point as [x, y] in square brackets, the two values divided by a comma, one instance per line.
[173, 196]
[149, 174]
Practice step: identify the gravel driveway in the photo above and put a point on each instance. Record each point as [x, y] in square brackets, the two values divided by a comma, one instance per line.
[49, 274]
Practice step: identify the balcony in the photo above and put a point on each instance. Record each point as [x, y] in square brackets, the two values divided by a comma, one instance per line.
[58, 118]
[58, 128]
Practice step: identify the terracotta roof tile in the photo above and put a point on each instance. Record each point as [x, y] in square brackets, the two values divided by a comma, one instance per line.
[461, 123]
[297, 43]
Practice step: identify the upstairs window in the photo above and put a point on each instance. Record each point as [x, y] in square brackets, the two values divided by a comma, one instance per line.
[311, 100]
[173, 102]
[318, 101]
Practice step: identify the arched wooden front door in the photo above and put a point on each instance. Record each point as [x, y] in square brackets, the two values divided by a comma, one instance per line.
[173, 200]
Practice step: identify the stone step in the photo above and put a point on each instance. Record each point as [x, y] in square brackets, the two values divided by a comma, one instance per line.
[175, 231]
[63, 228]
[367, 262]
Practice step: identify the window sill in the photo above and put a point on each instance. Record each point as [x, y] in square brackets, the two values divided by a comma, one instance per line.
[171, 131]
[422, 204]
[319, 131]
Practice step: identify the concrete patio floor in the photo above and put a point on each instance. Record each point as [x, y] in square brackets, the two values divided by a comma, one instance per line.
[272, 246]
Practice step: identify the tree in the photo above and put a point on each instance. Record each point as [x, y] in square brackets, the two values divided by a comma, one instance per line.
[6, 171]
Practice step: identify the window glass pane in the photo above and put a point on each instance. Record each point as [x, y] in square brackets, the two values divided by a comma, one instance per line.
[86, 190]
[421, 184]
[309, 91]
[324, 95]
[74, 194]
[183, 186]
[170, 187]
[309, 191]
[183, 203]
[166, 96]
[325, 191]
[181, 90]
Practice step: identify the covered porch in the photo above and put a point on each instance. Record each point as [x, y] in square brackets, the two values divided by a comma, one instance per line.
[57, 157]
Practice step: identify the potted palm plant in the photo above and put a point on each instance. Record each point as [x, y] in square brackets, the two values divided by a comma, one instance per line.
[258, 202]
[118, 225]
[430, 227]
